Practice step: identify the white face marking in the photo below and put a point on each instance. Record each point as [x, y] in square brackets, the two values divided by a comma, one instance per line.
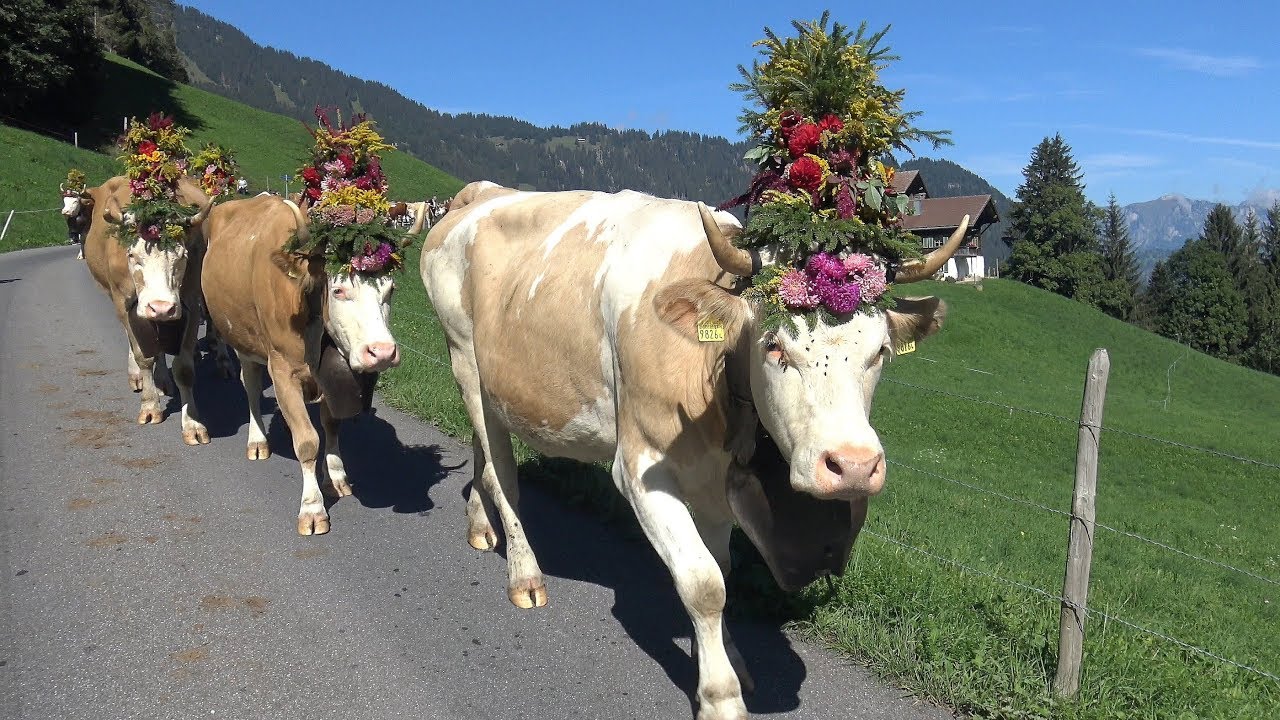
[157, 279]
[358, 310]
[71, 206]
[813, 392]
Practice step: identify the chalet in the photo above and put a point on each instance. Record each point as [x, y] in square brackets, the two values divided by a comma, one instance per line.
[934, 219]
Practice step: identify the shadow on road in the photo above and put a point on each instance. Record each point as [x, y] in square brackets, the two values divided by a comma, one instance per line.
[570, 543]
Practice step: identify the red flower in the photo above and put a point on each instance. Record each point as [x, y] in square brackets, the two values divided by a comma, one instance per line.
[364, 182]
[159, 121]
[347, 161]
[831, 123]
[805, 174]
[313, 193]
[311, 176]
[803, 139]
[789, 120]
[146, 147]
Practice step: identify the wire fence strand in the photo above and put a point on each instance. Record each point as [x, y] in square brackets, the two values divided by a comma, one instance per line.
[1058, 598]
[1076, 421]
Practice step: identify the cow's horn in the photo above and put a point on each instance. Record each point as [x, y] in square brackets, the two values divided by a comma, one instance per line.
[62, 187]
[731, 259]
[924, 268]
[419, 218]
[195, 220]
[304, 232]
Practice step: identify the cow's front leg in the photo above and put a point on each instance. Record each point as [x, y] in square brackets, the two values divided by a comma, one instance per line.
[193, 431]
[653, 492]
[715, 529]
[480, 533]
[313, 519]
[145, 351]
[335, 483]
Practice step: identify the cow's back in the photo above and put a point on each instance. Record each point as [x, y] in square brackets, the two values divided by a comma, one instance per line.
[544, 285]
[254, 304]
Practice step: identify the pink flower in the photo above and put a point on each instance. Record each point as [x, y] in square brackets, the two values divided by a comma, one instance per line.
[150, 233]
[335, 168]
[825, 265]
[839, 297]
[365, 215]
[872, 283]
[795, 291]
[858, 263]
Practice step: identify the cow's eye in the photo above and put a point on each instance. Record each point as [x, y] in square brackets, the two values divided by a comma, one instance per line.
[339, 293]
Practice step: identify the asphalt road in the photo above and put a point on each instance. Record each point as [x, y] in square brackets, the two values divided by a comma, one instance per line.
[140, 578]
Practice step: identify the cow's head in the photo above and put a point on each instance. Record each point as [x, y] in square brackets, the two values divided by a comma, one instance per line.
[157, 269]
[75, 203]
[356, 308]
[812, 387]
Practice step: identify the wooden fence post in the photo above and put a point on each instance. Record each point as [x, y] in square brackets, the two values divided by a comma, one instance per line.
[1075, 585]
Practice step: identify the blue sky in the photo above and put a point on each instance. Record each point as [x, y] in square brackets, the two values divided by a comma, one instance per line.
[1154, 98]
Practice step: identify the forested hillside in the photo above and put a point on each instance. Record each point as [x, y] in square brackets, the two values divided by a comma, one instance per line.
[224, 60]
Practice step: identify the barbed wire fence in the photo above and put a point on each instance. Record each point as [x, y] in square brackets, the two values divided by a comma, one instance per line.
[1077, 609]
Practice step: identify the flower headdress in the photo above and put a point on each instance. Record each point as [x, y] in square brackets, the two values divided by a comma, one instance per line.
[347, 193]
[823, 201]
[155, 159]
[218, 170]
[74, 184]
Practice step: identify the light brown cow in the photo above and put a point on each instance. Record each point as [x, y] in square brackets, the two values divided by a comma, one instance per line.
[572, 321]
[156, 295]
[319, 336]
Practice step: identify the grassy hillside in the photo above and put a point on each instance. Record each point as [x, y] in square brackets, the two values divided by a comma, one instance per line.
[982, 645]
[266, 145]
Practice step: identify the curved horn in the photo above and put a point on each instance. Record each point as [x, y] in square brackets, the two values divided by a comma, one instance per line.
[924, 268]
[111, 213]
[62, 187]
[195, 220]
[304, 232]
[419, 218]
[733, 260]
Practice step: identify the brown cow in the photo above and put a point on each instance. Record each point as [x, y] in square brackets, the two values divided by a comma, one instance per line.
[156, 294]
[77, 208]
[574, 321]
[321, 337]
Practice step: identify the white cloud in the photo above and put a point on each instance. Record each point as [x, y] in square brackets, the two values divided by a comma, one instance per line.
[1263, 197]
[1119, 161]
[1215, 65]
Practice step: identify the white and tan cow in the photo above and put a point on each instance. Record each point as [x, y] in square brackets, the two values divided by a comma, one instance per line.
[571, 320]
[77, 208]
[156, 295]
[322, 338]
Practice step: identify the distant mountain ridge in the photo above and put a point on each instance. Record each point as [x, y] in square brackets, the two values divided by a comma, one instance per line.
[1158, 227]
[222, 59]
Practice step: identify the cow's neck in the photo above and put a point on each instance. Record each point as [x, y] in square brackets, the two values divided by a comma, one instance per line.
[313, 331]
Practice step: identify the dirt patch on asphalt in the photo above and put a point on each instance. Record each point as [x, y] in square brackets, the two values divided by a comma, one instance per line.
[82, 503]
[105, 481]
[195, 654]
[105, 417]
[141, 463]
[95, 438]
[89, 372]
[110, 538]
[47, 389]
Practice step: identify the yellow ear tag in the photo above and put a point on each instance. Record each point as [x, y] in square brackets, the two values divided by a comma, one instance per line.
[907, 347]
[710, 329]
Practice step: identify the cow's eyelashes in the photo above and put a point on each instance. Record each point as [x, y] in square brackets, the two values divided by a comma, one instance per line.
[339, 294]
[773, 351]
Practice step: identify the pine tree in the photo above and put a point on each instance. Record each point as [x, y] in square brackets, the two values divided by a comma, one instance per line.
[1270, 241]
[49, 61]
[1225, 236]
[1055, 227]
[1197, 302]
[1119, 263]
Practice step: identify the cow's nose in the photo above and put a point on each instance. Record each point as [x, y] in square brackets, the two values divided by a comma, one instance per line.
[161, 310]
[848, 472]
[379, 356]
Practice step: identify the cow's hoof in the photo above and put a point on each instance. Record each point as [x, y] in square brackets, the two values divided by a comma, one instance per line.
[727, 709]
[150, 416]
[528, 594]
[485, 540]
[198, 435]
[80, 256]
[135, 382]
[316, 523]
[336, 487]
[258, 450]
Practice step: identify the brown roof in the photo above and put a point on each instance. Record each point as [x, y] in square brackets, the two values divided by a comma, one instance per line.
[908, 182]
[945, 213]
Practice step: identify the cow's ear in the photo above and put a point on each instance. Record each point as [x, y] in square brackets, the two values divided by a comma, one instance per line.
[686, 303]
[914, 319]
[301, 269]
[86, 200]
